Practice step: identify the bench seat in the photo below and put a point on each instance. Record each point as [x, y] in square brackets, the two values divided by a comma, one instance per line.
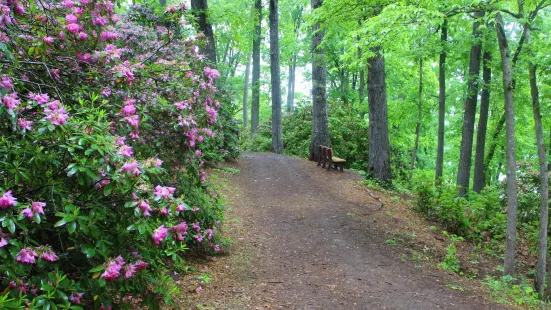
[327, 158]
[338, 160]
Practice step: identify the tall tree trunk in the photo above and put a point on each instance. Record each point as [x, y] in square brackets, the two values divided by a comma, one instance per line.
[161, 2]
[246, 95]
[419, 120]
[200, 8]
[441, 102]
[255, 104]
[362, 86]
[544, 177]
[291, 85]
[510, 244]
[466, 151]
[320, 123]
[494, 144]
[277, 127]
[479, 177]
[379, 150]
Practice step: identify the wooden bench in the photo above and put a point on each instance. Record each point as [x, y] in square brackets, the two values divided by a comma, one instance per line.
[327, 158]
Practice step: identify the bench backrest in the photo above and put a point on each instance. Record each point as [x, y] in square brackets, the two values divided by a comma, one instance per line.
[326, 153]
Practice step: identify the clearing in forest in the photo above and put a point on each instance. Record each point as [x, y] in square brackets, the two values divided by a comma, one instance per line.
[305, 238]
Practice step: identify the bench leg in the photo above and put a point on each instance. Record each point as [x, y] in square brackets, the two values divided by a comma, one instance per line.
[319, 161]
[342, 167]
[329, 165]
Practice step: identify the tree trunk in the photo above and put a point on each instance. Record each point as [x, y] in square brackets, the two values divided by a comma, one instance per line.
[379, 150]
[255, 104]
[494, 144]
[362, 86]
[200, 8]
[161, 2]
[320, 123]
[544, 177]
[246, 96]
[479, 178]
[466, 151]
[291, 85]
[419, 120]
[441, 103]
[277, 127]
[510, 244]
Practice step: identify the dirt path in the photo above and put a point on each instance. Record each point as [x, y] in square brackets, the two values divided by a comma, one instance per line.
[307, 240]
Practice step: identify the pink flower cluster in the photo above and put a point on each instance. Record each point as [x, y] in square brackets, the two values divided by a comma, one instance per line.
[56, 113]
[37, 208]
[163, 191]
[114, 267]
[159, 234]
[29, 255]
[180, 231]
[7, 200]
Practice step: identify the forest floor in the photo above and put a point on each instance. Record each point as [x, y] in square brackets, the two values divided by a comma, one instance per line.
[308, 238]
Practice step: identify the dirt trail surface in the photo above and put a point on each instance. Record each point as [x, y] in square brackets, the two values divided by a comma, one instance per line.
[306, 239]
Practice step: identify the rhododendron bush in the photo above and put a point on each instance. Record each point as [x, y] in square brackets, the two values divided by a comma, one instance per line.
[107, 123]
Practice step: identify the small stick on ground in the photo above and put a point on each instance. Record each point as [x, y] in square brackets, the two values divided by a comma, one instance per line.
[375, 197]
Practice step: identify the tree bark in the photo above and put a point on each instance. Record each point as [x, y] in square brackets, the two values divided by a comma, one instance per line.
[200, 8]
[277, 127]
[466, 151]
[362, 86]
[291, 85]
[479, 177]
[510, 244]
[419, 120]
[255, 104]
[320, 123]
[441, 102]
[544, 177]
[246, 96]
[161, 2]
[379, 150]
[493, 145]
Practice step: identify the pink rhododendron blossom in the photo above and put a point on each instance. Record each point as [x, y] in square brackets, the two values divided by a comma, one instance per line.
[179, 231]
[105, 307]
[113, 270]
[212, 113]
[7, 200]
[107, 35]
[68, 3]
[57, 116]
[129, 109]
[71, 19]
[198, 238]
[141, 265]
[129, 271]
[76, 299]
[159, 234]
[203, 176]
[144, 206]
[73, 28]
[198, 153]
[11, 101]
[24, 124]
[48, 40]
[47, 254]
[125, 150]
[27, 212]
[209, 233]
[180, 208]
[163, 192]
[6, 83]
[212, 74]
[38, 207]
[196, 226]
[82, 35]
[131, 167]
[40, 98]
[133, 121]
[158, 162]
[3, 239]
[164, 212]
[26, 256]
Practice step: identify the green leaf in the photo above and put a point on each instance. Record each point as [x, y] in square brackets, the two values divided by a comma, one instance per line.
[11, 226]
[107, 189]
[72, 227]
[96, 269]
[60, 223]
[47, 287]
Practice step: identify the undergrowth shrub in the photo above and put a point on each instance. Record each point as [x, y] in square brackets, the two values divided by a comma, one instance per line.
[106, 125]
